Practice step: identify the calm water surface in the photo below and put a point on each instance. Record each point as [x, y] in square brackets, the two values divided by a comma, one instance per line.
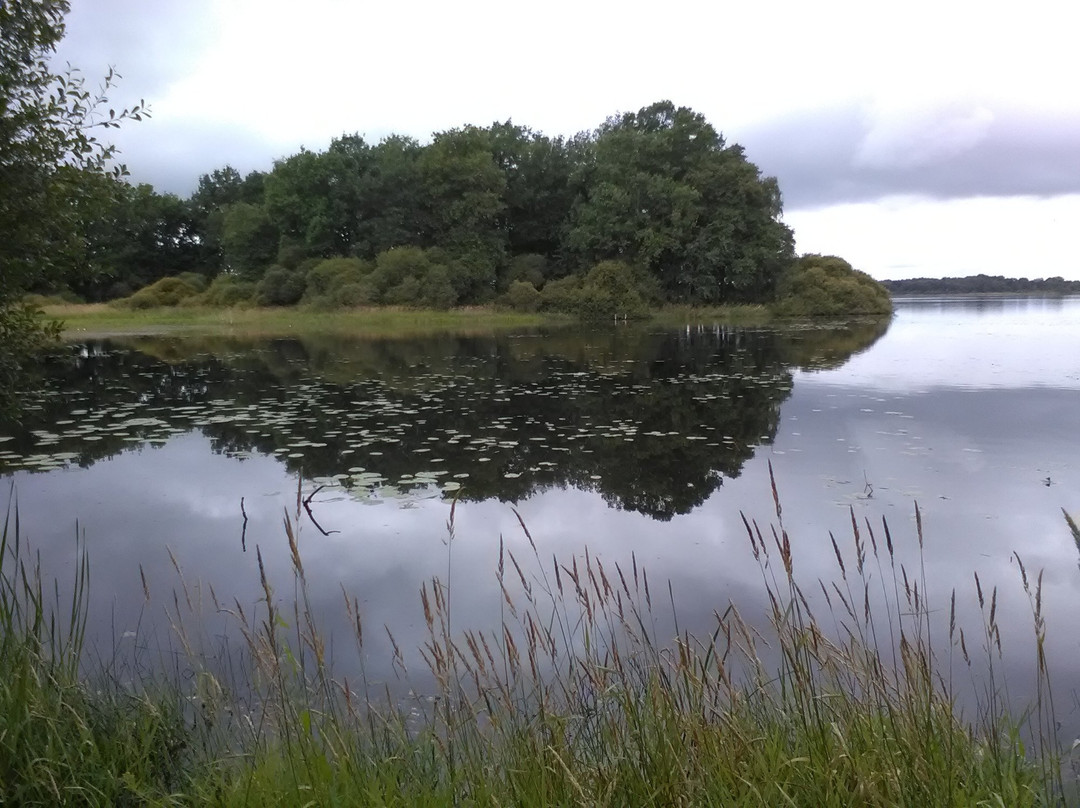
[639, 443]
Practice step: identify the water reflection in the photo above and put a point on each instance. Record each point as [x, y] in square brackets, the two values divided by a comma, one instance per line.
[652, 421]
[966, 413]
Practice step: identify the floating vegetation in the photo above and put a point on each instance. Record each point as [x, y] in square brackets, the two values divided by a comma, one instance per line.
[653, 421]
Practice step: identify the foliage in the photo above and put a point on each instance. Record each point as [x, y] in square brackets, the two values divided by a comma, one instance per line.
[137, 237]
[530, 267]
[165, 292]
[249, 239]
[664, 192]
[522, 296]
[280, 286]
[410, 276]
[226, 291]
[314, 199]
[23, 336]
[338, 282]
[51, 167]
[562, 294]
[610, 289]
[827, 286]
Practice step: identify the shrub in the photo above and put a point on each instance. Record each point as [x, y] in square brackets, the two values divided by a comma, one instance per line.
[561, 295]
[531, 268]
[165, 292]
[228, 290]
[827, 286]
[436, 290]
[196, 280]
[405, 293]
[326, 277]
[411, 276]
[523, 296]
[280, 287]
[349, 295]
[611, 289]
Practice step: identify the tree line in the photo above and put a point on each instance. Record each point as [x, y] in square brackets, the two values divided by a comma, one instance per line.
[468, 214]
[982, 284]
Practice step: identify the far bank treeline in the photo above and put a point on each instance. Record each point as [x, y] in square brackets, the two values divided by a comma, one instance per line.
[652, 207]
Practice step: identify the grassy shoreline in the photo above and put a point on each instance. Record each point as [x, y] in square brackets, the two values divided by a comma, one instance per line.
[573, 700]
[87, 320]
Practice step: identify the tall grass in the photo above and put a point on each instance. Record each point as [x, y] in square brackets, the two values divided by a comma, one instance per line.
[587, 692]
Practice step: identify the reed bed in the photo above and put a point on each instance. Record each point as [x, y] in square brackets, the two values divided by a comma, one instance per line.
[586, 693]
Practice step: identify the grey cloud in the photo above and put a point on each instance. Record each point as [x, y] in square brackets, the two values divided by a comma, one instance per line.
[150, 50]
[829, 157]
[173, 157]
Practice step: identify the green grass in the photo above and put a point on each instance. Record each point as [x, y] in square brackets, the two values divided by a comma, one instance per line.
[576, 699]
[98, 319]
[81, 320]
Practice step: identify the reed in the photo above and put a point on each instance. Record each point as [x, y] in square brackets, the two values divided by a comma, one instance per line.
[587, 692]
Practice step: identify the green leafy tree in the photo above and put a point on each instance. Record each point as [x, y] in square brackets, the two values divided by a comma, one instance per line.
[463, 198]
[216, 191]
[315, 199]
[249, 240]
[539, 193]
[663, 191]
[139, 236]
[391, 213]
[47, 153]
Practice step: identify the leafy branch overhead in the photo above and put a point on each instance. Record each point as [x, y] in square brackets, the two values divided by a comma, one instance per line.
[55, 175]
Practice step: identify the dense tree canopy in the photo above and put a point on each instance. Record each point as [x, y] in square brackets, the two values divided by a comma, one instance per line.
[657, 190]
[665, 193]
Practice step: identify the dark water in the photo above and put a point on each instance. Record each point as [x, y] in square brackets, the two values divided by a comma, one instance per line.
[637, 442]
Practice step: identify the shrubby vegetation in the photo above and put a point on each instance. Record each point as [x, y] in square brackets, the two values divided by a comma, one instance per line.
[827, 286]
[165, 292]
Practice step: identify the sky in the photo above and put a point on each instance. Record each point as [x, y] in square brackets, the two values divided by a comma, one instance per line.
[919, 139]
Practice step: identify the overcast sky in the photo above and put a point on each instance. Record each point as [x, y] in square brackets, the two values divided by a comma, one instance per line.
[924, 138]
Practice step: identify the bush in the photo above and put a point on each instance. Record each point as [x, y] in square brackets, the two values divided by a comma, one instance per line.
[228, 290]
[611, 289]
[349, 295]
[827, 286]
[531, 268]
[280, 287]
[196, 280]
[523, 296]
[436, 290]
[561, 295]
[326, 278]
[411, 276]
[165, 292]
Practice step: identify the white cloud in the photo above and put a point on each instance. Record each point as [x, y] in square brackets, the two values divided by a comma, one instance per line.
[246, 81]
[903, 237]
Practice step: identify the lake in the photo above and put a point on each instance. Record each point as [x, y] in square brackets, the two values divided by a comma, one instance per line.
[646, 445]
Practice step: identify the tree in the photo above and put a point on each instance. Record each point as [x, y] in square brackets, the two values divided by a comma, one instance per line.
[47, 153]
[217, 190]
[138, 237]
[249, 240]
[663, 191]
[313, 198]
[463, 196]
